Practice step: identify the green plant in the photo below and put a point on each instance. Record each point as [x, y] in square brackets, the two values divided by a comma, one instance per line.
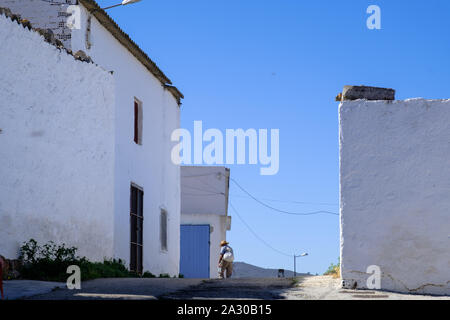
[164, 275]
[50, 262]
[334, 269]
[148, 274]
[29, 251]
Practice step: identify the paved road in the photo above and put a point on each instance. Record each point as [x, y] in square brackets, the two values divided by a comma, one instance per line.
[120, 289]
[21, 289]
[142, 289]
[304, 288]
[261, 289]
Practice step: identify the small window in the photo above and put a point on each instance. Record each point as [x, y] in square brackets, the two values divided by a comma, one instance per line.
[163, 230]
[137, 122]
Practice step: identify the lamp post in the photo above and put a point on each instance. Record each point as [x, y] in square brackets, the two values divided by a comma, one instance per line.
[295, 262]
[123, 3]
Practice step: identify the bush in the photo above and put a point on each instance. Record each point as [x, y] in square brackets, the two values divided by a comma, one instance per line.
[164, 275]
[334, 270]
[148, 274]
[50, 262]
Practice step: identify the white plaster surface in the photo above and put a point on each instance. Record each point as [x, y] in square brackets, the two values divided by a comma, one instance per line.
[204, 201]
[44, 14]
[395, 193]
[204, 189]
[148, 165]
[56, 147]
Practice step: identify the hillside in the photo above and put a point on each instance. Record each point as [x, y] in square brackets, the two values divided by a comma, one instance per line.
[245, 270]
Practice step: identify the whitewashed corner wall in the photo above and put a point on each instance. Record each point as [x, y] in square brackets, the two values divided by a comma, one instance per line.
[395, 193]
[56, 147]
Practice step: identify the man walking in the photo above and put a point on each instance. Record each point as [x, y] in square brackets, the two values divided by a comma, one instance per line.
[226, 259]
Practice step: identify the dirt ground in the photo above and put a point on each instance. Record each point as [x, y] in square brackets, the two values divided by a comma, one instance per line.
[328, 288]
[302, 288]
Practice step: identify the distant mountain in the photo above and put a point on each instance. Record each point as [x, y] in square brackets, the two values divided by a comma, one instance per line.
[245, 270]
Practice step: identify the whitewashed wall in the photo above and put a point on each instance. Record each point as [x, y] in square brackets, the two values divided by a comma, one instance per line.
[56, 147]
[395, 193]
[204, 201]
[204, 189]
[44, 14]
[148, 165]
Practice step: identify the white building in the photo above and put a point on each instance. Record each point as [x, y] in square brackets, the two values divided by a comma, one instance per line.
[395, 191]
[146, 110]
[204, 219]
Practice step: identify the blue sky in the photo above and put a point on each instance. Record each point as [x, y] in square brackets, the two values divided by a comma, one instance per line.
[280, 64]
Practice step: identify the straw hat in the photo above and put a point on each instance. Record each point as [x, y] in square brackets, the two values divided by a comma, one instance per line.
[223, 243]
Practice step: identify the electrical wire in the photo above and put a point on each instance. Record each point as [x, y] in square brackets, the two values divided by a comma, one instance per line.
[288, 201]
[263, 203]
[203, 175]
[256, 235]
[199, 189]
[279, 210]
[202, 195]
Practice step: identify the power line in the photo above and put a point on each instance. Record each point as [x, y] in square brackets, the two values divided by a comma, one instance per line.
[199, 189]
[290, 201]
[279, 210]
[266, 199]
[203, 175]
[202, 195]
[256, 235]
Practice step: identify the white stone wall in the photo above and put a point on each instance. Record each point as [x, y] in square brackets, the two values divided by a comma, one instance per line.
[395, 193]
[56, 147]
[148, 165]
[44, 14]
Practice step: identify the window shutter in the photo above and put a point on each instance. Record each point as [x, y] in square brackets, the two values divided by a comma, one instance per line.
[136, 122]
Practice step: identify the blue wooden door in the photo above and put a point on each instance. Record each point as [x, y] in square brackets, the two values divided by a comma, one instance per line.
[194, 251]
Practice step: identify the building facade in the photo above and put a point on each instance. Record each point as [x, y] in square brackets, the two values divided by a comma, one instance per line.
[146, 111]
[204, 219]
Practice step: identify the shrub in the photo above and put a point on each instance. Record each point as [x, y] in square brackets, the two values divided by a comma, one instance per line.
[50, 262]
[164, 275]
[148, 274]
[334, 270]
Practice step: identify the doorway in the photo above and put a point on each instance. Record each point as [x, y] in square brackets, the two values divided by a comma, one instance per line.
[194, 251]
[136, 229]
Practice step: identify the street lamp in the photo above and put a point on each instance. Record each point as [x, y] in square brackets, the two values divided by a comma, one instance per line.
[295, 261]
[123, 3]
